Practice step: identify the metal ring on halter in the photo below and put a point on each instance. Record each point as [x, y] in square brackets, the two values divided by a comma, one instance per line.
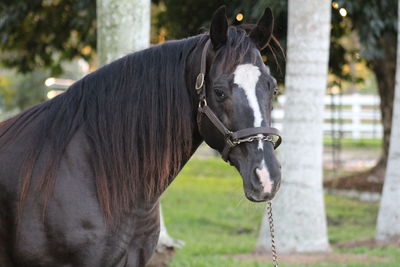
[199, 81]
[202, 103]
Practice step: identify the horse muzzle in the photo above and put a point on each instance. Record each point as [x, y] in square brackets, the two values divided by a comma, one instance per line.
[260, 185]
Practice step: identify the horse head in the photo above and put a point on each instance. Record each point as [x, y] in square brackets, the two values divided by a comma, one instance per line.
[235, 91]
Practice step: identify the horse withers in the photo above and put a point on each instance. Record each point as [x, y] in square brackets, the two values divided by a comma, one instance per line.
[81, 174]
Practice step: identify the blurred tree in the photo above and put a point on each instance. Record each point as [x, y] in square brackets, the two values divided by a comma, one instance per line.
[22, 90]
[376, 25]
[299, 205]
[388, 225]
[7, 91]
[30, 88]
[43, 33]
[123, 26]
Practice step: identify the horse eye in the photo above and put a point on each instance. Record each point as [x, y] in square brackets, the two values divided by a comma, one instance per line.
[219, 93]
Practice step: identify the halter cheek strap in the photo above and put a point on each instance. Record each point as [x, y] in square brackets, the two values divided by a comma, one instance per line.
[231, 138]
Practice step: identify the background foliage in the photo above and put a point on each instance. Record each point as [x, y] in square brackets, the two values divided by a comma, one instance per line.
[43, 33]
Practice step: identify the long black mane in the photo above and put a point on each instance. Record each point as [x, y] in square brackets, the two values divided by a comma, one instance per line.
[138, 116]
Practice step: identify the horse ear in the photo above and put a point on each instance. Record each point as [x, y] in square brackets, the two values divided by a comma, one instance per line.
[262, 33]
[219, 28]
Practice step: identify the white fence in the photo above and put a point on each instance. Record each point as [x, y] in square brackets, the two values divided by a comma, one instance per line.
[356, 116]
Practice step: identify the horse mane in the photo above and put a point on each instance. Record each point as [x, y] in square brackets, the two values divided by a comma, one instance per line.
[138, 116]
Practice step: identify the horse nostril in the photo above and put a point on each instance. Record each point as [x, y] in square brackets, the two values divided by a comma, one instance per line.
[265, 179]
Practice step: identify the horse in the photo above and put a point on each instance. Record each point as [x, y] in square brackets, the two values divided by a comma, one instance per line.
[81, 174]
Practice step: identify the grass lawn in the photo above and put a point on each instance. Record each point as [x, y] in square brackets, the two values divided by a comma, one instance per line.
[350, 143]
[205, 206]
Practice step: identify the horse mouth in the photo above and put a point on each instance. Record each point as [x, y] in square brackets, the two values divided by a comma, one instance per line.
[258, 195]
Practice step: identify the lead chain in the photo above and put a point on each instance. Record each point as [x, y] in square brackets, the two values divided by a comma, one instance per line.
[253, 138]
[272, 231]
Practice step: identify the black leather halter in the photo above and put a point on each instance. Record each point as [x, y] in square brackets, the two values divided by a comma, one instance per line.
[232, 139]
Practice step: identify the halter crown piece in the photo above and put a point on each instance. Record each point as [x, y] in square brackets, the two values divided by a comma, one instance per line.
[232, 139]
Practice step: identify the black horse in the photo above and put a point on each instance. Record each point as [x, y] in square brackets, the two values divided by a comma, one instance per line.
[81, 174]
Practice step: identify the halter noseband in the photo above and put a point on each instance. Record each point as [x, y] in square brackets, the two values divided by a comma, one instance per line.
[232, 139]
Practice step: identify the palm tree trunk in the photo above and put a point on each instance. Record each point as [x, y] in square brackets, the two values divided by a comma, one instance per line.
[123, 26]
[388, 223]
[300, 222]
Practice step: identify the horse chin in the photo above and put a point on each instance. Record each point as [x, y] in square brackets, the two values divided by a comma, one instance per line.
[259, 196]
[257, 193]
[258, 187]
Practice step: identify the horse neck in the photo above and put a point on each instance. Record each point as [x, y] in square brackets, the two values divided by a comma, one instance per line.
[192, 70]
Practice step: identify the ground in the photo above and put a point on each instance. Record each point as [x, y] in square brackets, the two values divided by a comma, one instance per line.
[357, 167]
[314, 258]
[206, 208]
[332, 258]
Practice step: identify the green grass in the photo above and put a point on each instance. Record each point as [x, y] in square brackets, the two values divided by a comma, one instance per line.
[349, 219]
[206, 208]
[350, 143]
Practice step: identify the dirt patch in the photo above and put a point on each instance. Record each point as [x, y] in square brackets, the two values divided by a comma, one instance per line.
[370, 243]
[160, 259]
[312, 258]
[352, 159]
[327, 258]
[368, 181]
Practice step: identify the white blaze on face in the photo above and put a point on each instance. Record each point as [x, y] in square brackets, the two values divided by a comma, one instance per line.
[264, 177]
[246, 77]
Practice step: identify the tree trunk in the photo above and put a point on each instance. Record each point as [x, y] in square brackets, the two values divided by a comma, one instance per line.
[388, 223]
[384, 68]
[385, 71]
[300, 222]
[123, 27]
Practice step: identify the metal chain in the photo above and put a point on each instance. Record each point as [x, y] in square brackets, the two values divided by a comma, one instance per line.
[272, 231]
[254, 138]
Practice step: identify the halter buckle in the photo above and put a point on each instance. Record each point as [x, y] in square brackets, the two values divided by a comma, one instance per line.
[199, 81]
[228, 139]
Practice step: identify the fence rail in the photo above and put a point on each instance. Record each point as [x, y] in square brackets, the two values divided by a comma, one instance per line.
[355, 116]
